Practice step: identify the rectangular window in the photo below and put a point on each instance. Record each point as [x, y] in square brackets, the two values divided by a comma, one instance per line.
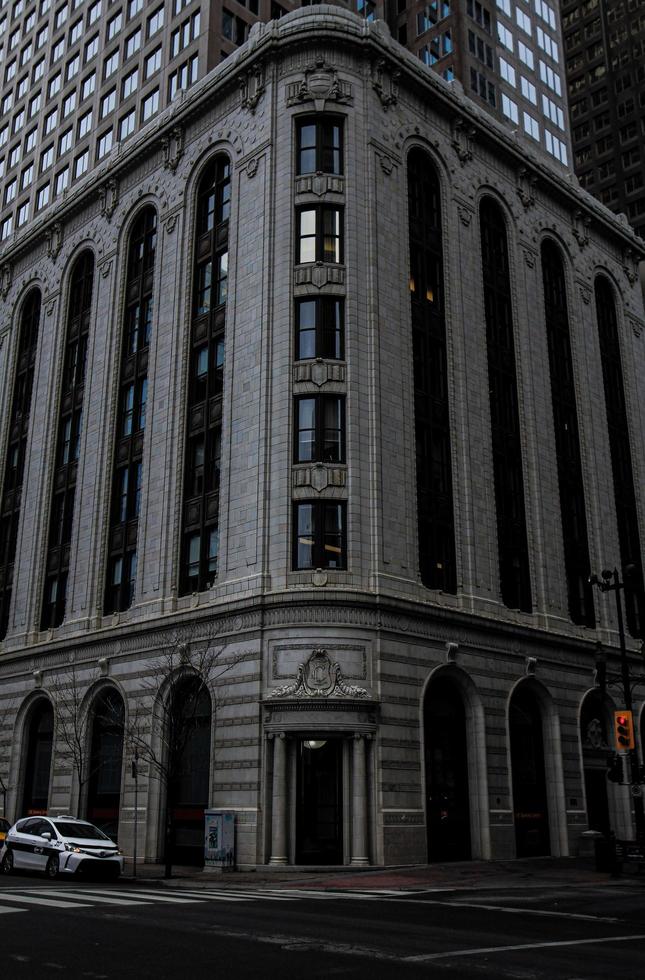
[126, 125]
[91, 48]
[81, 163]
[46, 158]
[523, 21]
[6, 228]
[129, 84]
[108, 103]
[504, 36]
[319, 429]
[30, 139]
[94, 13]
[319, 328]
[38, 70]
[550, 78]
[152, 63]
[134, 7]
[319, 146]
[60, 16]
[84, 125]
[69, 104]
[53, 87]
[531, 126]
[114, 26]
[319, 234]
[62, 180]
[150, 105]
[65, 142]
[42, 197]
[76, 32]
[23, 214]
[34, 105]
[507, 72]
[319, 535]
[528, 90]
[57, 50]
[88, 86]
[183, 77]
[155, 21]
[555, 147]
[526, 55]
[509, 108]
[133, 43]
[72, 67]
[111, 64]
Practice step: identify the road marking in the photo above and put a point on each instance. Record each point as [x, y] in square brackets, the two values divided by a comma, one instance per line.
[54, 903]
[424, 957]
[10, 908]
[521, 911]
[153, 896]
[95, 898]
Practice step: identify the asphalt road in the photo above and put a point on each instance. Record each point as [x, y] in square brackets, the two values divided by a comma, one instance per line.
[101, 931]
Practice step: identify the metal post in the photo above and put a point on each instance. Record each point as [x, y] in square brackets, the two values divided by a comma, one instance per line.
[639, 811]
[135, 775]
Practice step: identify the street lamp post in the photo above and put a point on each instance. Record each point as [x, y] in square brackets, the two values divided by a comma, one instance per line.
[610, 582]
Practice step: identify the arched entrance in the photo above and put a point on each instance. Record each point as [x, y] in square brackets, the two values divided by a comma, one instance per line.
[106, 760]
[446, 773]
[595, 750]
[38, 762]
[531, 815]
[189, 745]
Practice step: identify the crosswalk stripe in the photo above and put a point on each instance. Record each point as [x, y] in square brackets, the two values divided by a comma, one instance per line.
[100, 899]
[204, 895]
[10, 908]
[153, 896]
[39, 900]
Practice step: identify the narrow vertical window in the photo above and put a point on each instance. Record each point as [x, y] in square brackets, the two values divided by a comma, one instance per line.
[621, 457]
[567, 442]
[70, 417]
[16, 450]
[515, 583]
[200, 519]
[435, 514]
[131, 420]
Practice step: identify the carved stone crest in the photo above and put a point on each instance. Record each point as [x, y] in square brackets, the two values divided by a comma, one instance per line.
[319, 85]
[637, 326]
[580, 228]
[526, 182]
[173, 148]
[387, 163]
[6, 275]
[529, 258]
[630, 265]
[54, 240]
[251, 87]
[462, 140]
[384, 83]
[252, 167]
[109, 198]
[595, 735]
[465, 216]
[585, 295]
[319, 677]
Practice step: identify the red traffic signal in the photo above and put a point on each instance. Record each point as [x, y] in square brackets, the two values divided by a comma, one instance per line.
[623, 730]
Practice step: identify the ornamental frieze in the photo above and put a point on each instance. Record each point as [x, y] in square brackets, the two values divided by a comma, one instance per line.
[319, 677]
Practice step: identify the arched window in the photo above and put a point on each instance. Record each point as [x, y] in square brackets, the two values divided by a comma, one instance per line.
[515, 583]
[106, 759]
[431, 410]
[621, 456]
[131, 418]
[70, 419]
[531, 815]
[594, 716]
[188, 739]
[200, 520]
[17, 449]
[40, 728]
[567, 442]
[446, 771]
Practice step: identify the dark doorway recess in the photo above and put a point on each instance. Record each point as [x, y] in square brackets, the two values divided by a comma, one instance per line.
[39, 757]
[104, 788]
[188, 783]
[319, 817]
[595, 751]
[447, 800]
[531, 813]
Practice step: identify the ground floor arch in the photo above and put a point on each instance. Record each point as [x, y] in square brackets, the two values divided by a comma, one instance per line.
[106, 761]
[530, 802]
[38, 757]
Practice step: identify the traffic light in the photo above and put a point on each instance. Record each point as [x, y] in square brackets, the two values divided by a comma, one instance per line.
[623, 730]
[615, 769]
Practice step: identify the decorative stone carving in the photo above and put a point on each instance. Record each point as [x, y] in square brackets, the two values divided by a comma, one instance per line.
[452, 649]
[319, 477]
[319, 677]
[585, 295]
[319, 578]
[384, 83]
[529, 258]
[171, 224]
[320, 84]
[6, 276]
[630, 265]
[462, 140]
[636, 325]
[319, 184]
[109, 198]
[319, 275]
[580, 228]
[595, 735]
[252, 167]
[54, 241]
[251, 87]
[387, 163]
[173, 148]
[105, 267]
[530, 666]
[103, 665]
[526, 182]
[38, 678]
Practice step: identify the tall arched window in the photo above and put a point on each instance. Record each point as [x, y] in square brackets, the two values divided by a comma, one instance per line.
[431, 410]
[200, 518]
[106, 759]
[621, 456]
[70, 418]
[567, 443]
[446, 771]
[40, 734]
[131, 417]
[530, 806]
[515, 583]
[188, 740]
[20, 409]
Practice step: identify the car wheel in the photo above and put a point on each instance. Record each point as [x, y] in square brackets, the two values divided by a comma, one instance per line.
[7, 863]
[52, 867]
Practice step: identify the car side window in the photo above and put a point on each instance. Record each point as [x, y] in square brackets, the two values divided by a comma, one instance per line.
[28, 826]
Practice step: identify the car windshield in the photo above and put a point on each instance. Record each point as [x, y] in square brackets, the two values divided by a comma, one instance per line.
[80, 831]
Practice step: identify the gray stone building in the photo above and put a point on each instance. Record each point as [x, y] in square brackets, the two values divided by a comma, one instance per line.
[321, 398]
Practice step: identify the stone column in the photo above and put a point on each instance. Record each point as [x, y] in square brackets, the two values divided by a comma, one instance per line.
[359, 802]
[279, 802]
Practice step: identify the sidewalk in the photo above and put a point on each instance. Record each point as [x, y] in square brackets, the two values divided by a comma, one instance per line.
[471, 875]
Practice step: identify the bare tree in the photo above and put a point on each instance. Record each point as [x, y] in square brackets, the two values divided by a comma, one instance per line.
[73, 726]
[168, 713]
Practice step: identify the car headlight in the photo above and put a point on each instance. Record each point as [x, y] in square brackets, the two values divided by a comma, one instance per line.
[74, 850]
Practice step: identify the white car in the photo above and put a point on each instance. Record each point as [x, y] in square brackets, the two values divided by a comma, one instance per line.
[59, 845]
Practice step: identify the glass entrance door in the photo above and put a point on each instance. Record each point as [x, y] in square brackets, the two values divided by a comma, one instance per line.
[319, 811]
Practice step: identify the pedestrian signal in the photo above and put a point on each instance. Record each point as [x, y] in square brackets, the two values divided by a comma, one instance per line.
[615, 769]
[623, 730]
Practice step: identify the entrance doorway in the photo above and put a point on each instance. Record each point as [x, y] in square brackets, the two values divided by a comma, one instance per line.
[595, 751]
[39, 757]
[106, 758]
[531, 814]
[446, 770]
[319, 809]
